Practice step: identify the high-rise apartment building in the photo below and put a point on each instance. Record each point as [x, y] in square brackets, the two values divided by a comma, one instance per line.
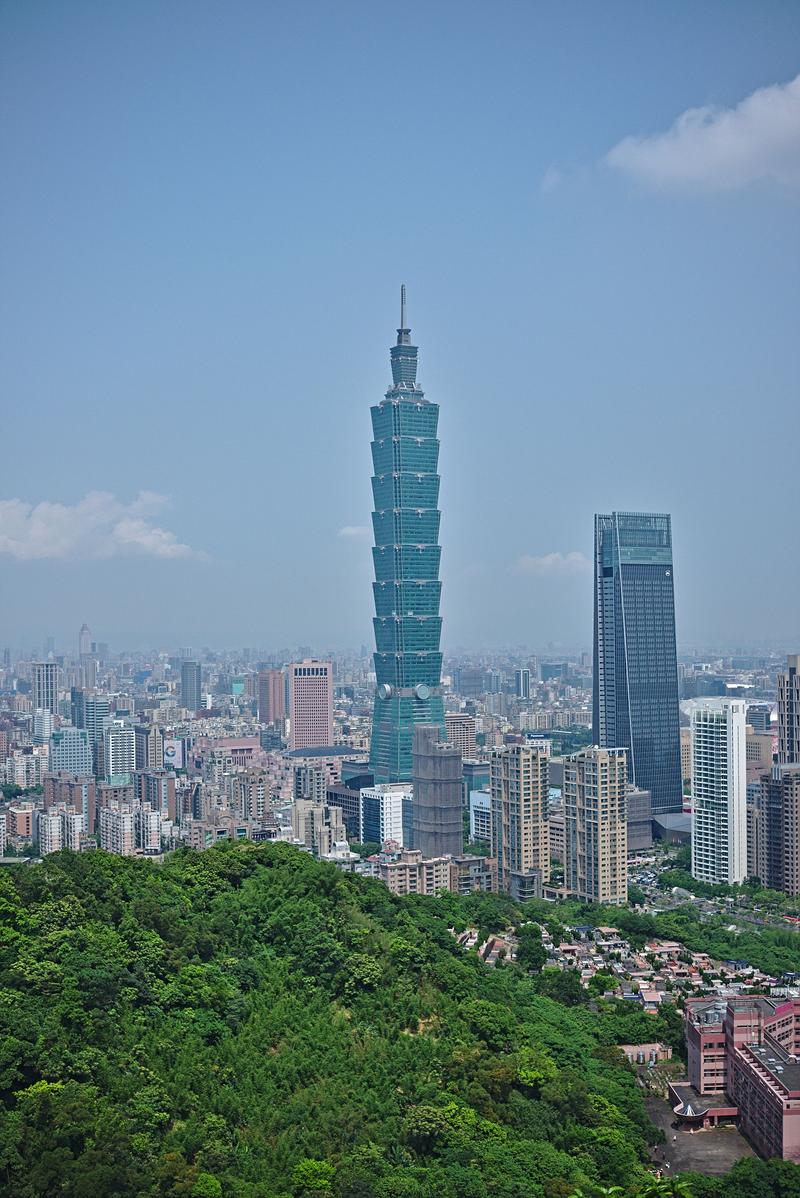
[45, 686]
[719, 791]
[147, 828]
[77, 792]
[461, 732]
[310, 704]
[156, 789]
[407, 590]
[437, 824]
[149, 747]
[520, 787]
[271, 696]
[191, 693]
[595, 825]
[789, 712]
[118, 829]
[51, 835]
[70, 751]
[119, 751]
[635, 702]
[773, 830]
[43, 723]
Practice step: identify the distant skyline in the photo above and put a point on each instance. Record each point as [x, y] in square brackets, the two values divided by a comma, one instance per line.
[206, 219]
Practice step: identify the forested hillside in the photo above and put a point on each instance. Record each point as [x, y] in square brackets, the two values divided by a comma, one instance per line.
[245, 1022]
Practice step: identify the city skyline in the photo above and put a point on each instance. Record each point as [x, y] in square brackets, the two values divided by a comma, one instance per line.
[570, 302]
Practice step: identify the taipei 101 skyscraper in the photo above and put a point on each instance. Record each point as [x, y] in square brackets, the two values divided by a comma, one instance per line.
[405, 489]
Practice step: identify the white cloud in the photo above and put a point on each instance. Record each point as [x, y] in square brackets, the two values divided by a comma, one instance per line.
[97, 526]
[553, 564]
[354, 532]
[721, 148]
[551, 179]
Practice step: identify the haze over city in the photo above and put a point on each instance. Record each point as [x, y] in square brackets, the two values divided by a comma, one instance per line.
[205, 223]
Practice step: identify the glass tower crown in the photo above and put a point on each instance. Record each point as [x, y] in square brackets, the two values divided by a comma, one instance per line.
[635, 700]
[407, 590]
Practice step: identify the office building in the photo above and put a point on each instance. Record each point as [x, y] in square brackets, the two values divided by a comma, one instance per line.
[386, 814]
[119, 751]
[310, 704]
[86, 657]
[191, 686]
[70, 751]
[789, 712]
[437, 826]
[475, 777]
[347, 797]
[759, 717]
[407, 590]
[635, 699]
[271, 696]
[520, 841]
[595, 825]
[45, 686]
[522, 683]
[93, 712]
[719, 791]
[460, 730]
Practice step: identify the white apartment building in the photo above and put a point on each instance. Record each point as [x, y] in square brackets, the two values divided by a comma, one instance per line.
[119, 750]
[51, 833]
[719, 791]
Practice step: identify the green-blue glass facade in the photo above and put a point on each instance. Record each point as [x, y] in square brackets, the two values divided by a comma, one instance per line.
[405, 520]
[635, 661]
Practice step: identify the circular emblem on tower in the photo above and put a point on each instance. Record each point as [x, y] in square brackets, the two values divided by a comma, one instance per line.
[384, 691]
[422, 691]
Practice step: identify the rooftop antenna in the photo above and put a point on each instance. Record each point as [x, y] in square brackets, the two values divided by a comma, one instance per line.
[402, 305]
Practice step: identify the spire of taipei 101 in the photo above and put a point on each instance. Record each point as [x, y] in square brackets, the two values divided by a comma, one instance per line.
[405, 489]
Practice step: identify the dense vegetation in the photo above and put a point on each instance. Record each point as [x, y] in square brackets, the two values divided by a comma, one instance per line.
[247, 1023]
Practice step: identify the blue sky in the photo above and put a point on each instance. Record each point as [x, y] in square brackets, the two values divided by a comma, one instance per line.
[206, 215]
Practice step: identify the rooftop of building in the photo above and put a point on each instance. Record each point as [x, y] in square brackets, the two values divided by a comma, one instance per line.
[783, 1068]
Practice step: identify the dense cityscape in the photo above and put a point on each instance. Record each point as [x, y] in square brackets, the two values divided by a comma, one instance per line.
[622, 779]
[399, 638]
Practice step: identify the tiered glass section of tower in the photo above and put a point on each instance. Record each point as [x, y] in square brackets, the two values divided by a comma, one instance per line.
[405, 488]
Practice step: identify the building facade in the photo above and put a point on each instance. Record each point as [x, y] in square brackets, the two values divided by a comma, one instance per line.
[595, 825]
[271, 696]
[45, 686]
[191, 689]
[460, 730]
[407, 590]
[310, 704]
[520, 841]
[386, 814]
[437, 824]
[719, 791]
[70, 751]
[789, 712]
[635, 696]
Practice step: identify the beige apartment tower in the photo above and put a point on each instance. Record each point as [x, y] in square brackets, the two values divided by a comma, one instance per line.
[461, 733]
[311, 704]
[595, 825]
[271, 696]
[519, 785]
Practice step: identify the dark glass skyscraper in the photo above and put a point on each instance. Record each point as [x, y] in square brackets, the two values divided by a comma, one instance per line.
[405, 489]
[635, 703]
